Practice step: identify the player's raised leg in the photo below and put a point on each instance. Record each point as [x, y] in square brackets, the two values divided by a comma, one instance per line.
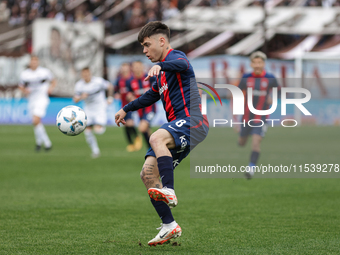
[144, 128]
[242, 141]
[37, 133]
[255, 152]
[40, 134]
[131, 134]
[92, 141]
[161, 141]
[151, 179]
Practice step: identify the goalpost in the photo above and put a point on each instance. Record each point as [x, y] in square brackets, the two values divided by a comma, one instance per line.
[319, 72]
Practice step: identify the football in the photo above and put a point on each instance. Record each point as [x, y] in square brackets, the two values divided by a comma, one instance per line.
[71, 120]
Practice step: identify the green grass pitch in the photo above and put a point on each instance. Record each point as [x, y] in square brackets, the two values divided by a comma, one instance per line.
[64, 202]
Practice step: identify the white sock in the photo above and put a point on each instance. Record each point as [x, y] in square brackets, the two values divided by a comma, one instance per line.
[170, 225]
[43, 135]
[92, 141]
[250, 170]
[37, 135]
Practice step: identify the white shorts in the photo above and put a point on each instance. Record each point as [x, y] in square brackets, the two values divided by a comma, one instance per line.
[38, 107]
[96, 117]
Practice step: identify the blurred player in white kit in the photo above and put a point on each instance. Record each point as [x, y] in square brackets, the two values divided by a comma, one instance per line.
[93, 91]
[37, 83]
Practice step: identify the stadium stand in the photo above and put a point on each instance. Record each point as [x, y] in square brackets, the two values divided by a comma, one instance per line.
[199, 27]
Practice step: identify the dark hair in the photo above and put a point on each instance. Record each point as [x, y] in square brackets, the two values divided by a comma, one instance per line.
[55, 29]
[153, 28]
[137, 61]
[86, 68]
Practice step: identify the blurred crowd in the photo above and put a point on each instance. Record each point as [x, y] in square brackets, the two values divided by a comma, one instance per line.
[23, 12]
[323, 3]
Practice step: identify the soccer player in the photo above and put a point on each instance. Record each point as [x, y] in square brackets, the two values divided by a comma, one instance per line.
[121, 88]
[137, 87]
[261, 82]
[186, 127]
[37, 83]
[92, 90]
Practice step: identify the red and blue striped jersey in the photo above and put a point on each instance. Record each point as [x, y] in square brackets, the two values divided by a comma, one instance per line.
[176, 87]
[138, 87]
[262, 85]
[173, 85]
[121, 88]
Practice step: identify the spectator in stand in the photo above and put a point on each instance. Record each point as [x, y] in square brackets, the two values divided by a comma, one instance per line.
[285, 3]
[151, 4]
[60, 13]
[37, 5]
[115, 24]
[79, 15]
[52, 10]
[33, 14]
[136, 16]
[16, 18]
[169, 9]
[150, 16]
[313, 3]
[4, 11]
[20, 12]
[328, 3]
[24, 11]
[69, 16]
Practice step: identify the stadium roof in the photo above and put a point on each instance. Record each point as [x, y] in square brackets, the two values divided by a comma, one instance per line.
[219, 28]
[253, 21]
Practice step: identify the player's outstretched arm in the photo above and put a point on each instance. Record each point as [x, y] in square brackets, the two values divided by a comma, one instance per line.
[78, 98]
[177, 65]
[154, 71]
[52, 86]
[148, 98]
[110, 90]
[119, 117]
[24, 90]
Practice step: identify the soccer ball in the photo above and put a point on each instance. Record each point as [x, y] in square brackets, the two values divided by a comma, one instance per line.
[71, 120]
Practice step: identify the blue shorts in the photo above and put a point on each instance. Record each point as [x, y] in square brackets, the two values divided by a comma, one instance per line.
[247, 130]
[187, 133]
[128, 116]
[148, 116]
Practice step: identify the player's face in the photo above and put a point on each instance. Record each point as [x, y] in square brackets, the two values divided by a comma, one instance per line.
[153, 48]
[34, 63]
[137, 69]
[86, 75]
[125, 71]
[258, 65]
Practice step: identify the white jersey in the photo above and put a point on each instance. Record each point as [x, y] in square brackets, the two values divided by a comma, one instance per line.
[95, 90]
[37, 81]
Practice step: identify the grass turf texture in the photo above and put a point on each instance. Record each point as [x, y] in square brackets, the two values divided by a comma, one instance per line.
[64, 202]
